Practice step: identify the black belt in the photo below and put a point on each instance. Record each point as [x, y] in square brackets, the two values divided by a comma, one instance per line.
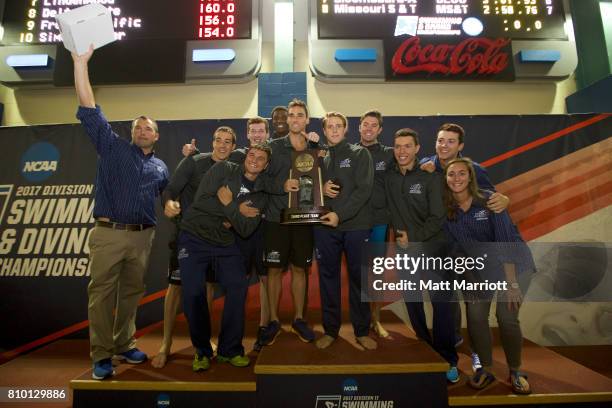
[127, 227]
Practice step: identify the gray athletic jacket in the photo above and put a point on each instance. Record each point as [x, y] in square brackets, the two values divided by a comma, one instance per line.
[350, 166]
[206, 215]
[278, 173]
[415, 203]
[382, 160]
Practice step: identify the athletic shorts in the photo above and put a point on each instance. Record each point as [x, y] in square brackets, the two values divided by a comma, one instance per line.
[253, 249]
[287, 244]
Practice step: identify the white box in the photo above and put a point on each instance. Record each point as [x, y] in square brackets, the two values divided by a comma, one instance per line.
[80, 27]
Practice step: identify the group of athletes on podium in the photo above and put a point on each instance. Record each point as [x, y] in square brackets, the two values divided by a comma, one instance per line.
[227, 206]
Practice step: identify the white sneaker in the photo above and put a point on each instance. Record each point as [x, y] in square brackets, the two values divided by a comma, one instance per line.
[475, 362]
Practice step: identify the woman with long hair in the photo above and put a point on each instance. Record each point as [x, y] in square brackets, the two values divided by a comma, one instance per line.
[469, 225]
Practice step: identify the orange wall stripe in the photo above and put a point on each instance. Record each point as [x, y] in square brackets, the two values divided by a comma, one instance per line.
[545, 139]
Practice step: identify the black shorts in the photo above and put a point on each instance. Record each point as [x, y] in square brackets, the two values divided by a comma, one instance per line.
[174, 272]
[287, 244]
[253, 250]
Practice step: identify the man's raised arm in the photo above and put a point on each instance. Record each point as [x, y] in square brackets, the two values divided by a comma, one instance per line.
[81, 79]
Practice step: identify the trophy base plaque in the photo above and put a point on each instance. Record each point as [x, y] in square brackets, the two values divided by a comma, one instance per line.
[296, 216]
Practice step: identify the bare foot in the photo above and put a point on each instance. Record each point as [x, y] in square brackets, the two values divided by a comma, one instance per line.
[324, 342]
[380, 330]
[159, 361]
[367, 342]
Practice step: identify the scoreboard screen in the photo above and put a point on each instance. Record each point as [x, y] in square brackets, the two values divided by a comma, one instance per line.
[516, 19]
[33, 21]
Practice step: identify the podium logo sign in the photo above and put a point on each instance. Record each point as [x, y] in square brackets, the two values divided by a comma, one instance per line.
[163, 401]
[350, 398]
[350, 386]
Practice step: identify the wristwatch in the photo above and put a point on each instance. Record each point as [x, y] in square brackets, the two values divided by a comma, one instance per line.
[514, 285]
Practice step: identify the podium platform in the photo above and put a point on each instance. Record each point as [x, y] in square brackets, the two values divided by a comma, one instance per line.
[176, 385]
[292, 373]
[402, 372]
[554, 379]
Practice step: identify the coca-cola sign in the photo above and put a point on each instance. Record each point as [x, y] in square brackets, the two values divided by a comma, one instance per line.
[449, 58]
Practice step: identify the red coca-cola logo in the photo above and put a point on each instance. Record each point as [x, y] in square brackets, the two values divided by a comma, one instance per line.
[480, 56]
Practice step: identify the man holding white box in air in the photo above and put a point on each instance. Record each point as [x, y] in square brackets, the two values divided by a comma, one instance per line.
[129, 178]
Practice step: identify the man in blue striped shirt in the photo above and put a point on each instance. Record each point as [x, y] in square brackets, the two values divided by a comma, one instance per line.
[129, 178]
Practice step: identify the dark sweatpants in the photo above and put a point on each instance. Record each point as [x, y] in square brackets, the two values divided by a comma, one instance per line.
[444, 316]
[329, 245]
[195, 257]
[443, 328]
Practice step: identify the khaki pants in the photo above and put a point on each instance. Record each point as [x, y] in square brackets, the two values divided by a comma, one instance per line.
[118, 262]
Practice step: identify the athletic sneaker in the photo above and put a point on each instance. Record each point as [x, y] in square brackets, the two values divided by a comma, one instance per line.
[305, 333]
[452, 375]
[200, 363]
[236, 361]
[475, 362]
[272, 331]
[103, 369]
[133, 356]
[259, 342]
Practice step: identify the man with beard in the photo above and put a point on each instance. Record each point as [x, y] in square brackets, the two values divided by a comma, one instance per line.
[128, 180]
